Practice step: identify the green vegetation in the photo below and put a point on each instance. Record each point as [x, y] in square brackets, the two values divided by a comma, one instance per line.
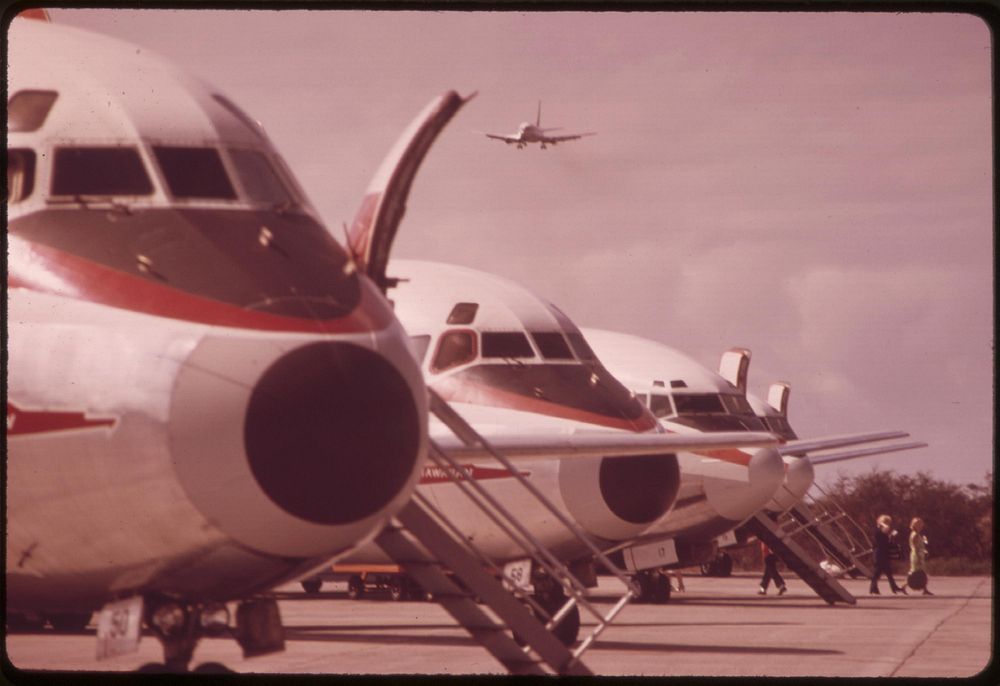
[958, 518]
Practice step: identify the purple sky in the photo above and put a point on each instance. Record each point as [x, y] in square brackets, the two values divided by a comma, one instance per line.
[814, 187]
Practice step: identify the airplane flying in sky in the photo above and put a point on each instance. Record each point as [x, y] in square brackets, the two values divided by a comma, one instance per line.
[206, 394]
[534, 133]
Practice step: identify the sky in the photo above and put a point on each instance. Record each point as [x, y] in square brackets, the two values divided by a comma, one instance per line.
[816, 187]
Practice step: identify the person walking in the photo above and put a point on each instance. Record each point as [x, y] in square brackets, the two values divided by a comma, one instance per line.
[770, 571]
[917, 578]
[883, 558]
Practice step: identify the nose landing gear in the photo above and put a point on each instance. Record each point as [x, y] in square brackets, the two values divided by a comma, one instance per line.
[178, 626]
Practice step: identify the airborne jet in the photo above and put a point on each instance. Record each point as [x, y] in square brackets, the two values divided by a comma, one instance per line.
[534, 133]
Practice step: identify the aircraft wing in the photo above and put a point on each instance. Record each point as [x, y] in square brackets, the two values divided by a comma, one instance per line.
[802, 447]
[568, 137]
[498, 137]
[590, 445]
[865, 452]
[374, 228]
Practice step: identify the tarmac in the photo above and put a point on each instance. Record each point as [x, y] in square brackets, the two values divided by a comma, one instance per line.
[717, 627]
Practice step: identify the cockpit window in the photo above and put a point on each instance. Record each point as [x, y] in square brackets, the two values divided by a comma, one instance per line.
[454, 348]
[194, 172]
[27, 110]
[506, 344]
[580, 346]
[552, 345]
[420, 344]
[701, 403]
[20, 174]
[259, 179]
[736, 404]
[463, 313]
[99, 171]
[240, 115]
[660, 406]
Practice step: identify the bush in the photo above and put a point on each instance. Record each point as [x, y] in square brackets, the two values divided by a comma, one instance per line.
[958, 566]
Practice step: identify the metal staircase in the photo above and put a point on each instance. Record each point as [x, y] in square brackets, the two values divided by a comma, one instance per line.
[837, 534]
[436, 553]
[778, 533]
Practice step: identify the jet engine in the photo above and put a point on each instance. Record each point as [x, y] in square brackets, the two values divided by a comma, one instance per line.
[618, 498]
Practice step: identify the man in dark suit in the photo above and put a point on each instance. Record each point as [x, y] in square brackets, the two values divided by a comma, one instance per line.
[883, 558]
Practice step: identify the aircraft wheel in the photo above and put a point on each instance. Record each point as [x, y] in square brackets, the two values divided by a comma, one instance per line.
[661, 589]
[212, 668]
[153, 668]
[567, 631]
[312, 585]
[396, 589]
[69, 621]
[355, 587]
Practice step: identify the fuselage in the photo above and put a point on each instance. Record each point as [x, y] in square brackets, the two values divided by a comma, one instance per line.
[719, 489]
[510, 362]
[204, 397]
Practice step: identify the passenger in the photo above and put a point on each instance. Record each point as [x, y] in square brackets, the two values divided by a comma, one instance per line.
[770, 571]
[883, 558]
[917, 578]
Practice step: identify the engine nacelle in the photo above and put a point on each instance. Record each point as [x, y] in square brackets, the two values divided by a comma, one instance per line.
[618, 498]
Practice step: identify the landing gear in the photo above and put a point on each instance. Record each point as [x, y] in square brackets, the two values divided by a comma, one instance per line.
[312, 586]
[551, 596]
[721, 565]
[654, 587]
[178, 626]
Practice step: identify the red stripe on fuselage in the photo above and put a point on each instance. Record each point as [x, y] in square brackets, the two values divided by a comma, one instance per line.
[477, 394]
[21, 422]
[48, 270]
[438, 475]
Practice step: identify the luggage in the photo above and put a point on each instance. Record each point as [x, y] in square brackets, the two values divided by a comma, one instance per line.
[917, 580]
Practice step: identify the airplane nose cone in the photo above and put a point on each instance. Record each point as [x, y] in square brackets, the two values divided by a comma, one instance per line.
[738, 500]
[317, 437]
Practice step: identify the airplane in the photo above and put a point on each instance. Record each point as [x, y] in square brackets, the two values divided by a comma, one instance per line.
[521, 373]
[207, 395]
[683, 395]
[534, 133]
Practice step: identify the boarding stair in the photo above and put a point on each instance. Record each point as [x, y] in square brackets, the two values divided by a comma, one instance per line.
[779, 535]
[436, 553]
[841, 539]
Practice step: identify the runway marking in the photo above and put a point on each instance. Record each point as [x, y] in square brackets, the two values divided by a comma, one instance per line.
[937, 626]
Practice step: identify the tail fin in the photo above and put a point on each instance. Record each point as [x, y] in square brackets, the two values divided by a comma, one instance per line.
[538, 119]
[374, 228]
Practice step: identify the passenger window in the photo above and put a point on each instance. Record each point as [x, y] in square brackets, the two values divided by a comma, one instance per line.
[27, 110]
[463, 313]
[99, 171]
[506, 344]
[259, 179]
[420, 344]
[660, 406]
[552, 345]
[20, 174]
[454, 348]
[194, 172]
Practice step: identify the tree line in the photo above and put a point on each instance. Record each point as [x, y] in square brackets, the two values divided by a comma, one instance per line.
[958, 517]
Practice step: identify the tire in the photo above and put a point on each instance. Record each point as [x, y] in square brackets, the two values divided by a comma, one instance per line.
[725, 565]
[661, 589]
[312, 586]
[153, 668]
[396, 592]
[355, 588]
[568, 629]
[212, 668]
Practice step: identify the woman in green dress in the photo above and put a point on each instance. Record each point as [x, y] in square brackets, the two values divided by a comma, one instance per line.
[918, 551]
